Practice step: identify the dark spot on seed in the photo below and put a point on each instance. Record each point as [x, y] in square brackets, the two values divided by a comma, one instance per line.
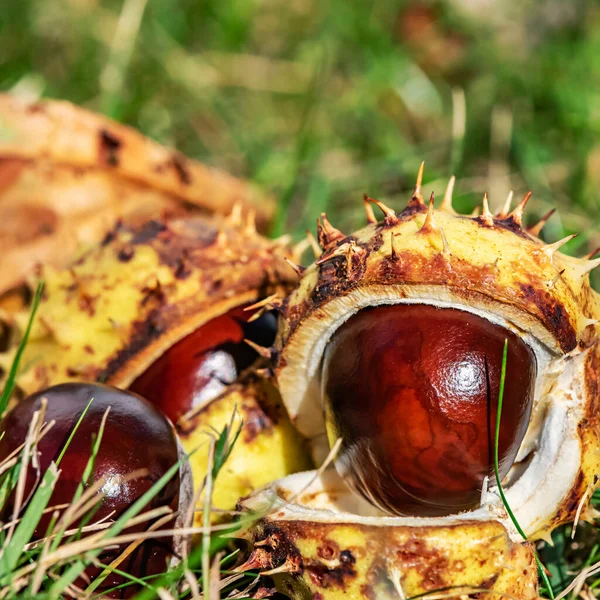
[112, 234]
[182, 268]
[144, 332]
[126, 254]
[148, 232]
[179, 164]
[511, 224]
[555, 316]
[328, 551]
[109, 148]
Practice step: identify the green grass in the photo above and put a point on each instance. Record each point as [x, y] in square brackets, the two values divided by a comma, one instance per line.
[322, 101]
[319, 102]
[543, 576]
[26, 572]
[9, 384]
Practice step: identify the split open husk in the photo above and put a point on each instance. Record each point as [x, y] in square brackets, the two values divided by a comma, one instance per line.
[123, 303]
[489, 265]
[316, 539]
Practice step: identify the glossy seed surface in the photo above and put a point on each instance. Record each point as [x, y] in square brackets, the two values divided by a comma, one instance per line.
[412, 390]
[138, 446]
[200, 366]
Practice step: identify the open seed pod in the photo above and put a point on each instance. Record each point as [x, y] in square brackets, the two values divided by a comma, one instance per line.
[67, 175]
[393, 342]
[316, 539]
[159, 309]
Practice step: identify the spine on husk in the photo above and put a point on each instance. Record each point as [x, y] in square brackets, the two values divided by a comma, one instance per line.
[120, 305]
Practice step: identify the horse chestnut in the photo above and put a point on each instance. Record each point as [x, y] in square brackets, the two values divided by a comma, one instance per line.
[200, 366]
[412, 390]
[136, 436]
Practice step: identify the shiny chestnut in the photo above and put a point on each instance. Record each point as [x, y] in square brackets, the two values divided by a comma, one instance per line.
[412, 390]
[200, 366]
[137, 437]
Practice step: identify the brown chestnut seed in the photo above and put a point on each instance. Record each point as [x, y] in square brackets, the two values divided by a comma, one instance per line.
[136, 436]
[412, 390]
[200, 366]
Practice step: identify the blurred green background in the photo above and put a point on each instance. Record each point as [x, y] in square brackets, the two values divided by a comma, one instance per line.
[322, 100]
[319, 101]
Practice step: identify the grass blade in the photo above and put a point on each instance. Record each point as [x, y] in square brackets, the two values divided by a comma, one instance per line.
[206, 537]
[540, 566]
[89, 467]
[87, 471]
[12, 375]
[72, 434]
[8, 483]
[222, 450]
[112, 78]
[27, 525]
[224, 445]
[78, 566]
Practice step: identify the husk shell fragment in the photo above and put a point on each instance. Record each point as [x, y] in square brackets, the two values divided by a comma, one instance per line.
[67, 175]
[312, 548]
[123, 303]
[267, 448]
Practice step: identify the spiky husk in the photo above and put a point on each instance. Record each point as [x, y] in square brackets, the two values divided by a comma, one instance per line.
[67, 175]
[121, 304]
[307, 538]
[124, 302]
[267, 448]
[489, 265]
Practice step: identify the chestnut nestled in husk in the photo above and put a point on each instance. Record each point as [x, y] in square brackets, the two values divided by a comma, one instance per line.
[412, 390]
[507, 279]
[400, 328]
[201, 366]
[158, 309]
[136, 437]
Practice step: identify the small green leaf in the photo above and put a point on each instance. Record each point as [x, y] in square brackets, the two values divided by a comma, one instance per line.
[224, 447]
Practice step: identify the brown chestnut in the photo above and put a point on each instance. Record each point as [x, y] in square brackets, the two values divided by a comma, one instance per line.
[201, 365]
[136, 436]
[412, 390]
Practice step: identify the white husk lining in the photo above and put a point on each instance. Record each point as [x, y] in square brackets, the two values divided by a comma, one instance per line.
[551, 447]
